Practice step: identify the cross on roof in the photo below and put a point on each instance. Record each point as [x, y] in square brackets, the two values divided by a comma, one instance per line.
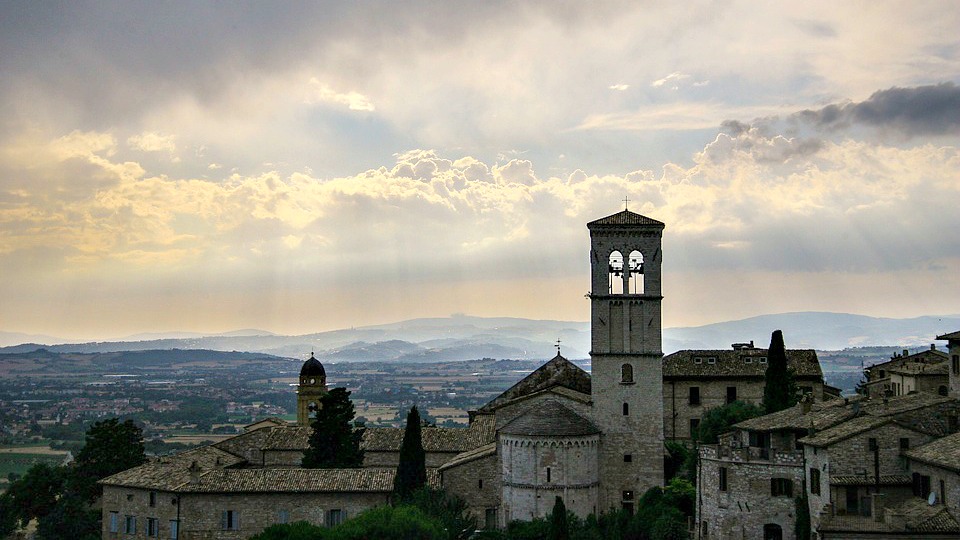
[558, 346]
[626, 203]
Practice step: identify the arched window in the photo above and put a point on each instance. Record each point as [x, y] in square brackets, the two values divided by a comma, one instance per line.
[626, 373]
[615, 275]
[635, 267]
[626, 409]
[772, 531]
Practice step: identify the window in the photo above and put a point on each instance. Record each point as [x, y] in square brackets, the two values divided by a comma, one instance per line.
[548, 474]
[872, 444]
[130, 524]
[480, 483]
[628, 458]
[814, 480]
[694, 427]
[747, 359]
[490, 520]
[694, 395]
[723, 479]
[153, 527]
[921, 485]
[697, 360]
[615, 273]
[627, 502]
[781, 487]
[943, 390]
[762, 359]
[952, 423]
[114, 522]
[943, 494]
[883, 374]
[334, 517]
[230, 520]
[772, 531]
[626, 409]
[731, 394]
[283, 516]
[153, 499]
[626, 374]
[635, 266]
[956, 364]
[711, 359]
[174, 529]
[904, 443]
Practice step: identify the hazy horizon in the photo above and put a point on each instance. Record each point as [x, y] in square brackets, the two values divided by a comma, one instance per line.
[295, 168]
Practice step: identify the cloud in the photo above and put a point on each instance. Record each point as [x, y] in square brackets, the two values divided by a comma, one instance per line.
[918, 111]
[619, 87]
[323, 93]
[672, 79]
[152, 142]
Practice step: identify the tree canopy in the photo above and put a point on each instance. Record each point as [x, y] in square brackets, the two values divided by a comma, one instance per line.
[111, 446]
[559, 528]
[719, 419]
[412, 469]
[335, 440]
[780, 389]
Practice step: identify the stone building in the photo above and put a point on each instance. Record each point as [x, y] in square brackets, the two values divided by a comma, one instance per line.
[695, 381]
[595, 439]
[924, 371]
[846, 456]
[953, 345]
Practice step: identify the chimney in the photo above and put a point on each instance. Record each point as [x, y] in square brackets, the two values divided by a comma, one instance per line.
[906, 352]
[933, 346]
[194, 473]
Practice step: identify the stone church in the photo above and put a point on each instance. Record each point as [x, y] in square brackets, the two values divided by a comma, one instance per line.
[596, 440]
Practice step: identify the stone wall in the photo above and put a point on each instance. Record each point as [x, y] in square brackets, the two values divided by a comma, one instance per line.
[478, 483]
[507, 413]
[945, 483]
[201, 514]
[536, 470]
[741, 511]
[852, 456]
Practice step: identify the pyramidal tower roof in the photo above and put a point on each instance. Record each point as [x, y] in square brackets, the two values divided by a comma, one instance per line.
[622, 218]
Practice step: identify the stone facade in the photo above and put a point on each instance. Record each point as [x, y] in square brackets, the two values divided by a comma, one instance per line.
[924, 371]
[476, 478]
[743, 493]
[695, 381]
[626, 353]
[953, 346]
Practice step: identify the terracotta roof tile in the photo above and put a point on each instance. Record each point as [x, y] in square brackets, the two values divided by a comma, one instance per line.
[557, 372]
[550, 419]
[943, 452]
[737, 363]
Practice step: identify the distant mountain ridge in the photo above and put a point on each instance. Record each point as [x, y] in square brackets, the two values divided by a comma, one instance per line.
[464, 337]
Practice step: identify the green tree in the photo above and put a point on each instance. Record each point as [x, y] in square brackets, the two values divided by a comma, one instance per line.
[675, 464]
[780, 389]
[390, 523]
[111, 446]
[719, 419]
[559, 529]
[8, 515]
[680, 494]
[450, 510]
[412, 469]
[300, 530]
[35, 494]
[70, 518]
[335, 441]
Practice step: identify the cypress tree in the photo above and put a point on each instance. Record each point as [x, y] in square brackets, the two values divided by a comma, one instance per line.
[412, 470]
[780, 390]
[335, 440]
[559, 528]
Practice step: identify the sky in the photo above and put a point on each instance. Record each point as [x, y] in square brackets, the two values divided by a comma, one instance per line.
[299, 167]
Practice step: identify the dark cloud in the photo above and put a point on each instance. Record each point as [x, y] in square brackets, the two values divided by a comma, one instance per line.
[923, 110]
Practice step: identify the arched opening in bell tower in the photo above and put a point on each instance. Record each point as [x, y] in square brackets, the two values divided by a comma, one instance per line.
[615, 273]
[635, 267]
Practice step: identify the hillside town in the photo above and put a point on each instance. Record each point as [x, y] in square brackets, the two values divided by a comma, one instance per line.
[811, 463]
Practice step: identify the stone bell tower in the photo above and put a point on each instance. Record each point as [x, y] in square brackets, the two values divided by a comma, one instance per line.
[626, 354]
[312, 386]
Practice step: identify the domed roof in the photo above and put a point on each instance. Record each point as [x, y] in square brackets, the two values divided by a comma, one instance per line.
[550, 419]
[312, 368]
